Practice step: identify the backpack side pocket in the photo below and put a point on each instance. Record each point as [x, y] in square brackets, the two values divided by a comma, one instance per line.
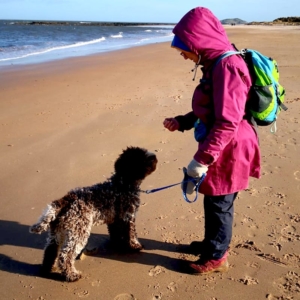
[263, 104]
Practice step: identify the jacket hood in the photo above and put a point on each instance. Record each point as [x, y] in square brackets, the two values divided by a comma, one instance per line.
[203, 33]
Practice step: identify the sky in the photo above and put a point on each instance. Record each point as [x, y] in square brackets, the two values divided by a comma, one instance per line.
[162, 11]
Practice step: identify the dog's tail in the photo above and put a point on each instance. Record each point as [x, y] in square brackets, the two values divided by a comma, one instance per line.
[44, 221]
[50, 214]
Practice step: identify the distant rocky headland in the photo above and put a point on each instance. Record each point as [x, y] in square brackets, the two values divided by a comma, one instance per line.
[294, 21]
[235, 21]
[280, 21]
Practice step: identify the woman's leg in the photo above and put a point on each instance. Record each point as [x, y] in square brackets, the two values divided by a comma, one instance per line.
[218, 214]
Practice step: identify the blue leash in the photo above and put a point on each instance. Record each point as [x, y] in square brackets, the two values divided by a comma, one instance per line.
[185, 181]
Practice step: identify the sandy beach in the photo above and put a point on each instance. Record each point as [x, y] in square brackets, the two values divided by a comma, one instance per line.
[64, 123]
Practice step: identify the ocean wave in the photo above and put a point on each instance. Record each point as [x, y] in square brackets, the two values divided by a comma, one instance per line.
[117, 35]
[80, 44]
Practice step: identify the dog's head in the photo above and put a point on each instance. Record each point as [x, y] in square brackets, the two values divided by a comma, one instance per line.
[135, 164]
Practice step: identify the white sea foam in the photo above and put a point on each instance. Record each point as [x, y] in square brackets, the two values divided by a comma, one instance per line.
[80, 44]
[117, 35]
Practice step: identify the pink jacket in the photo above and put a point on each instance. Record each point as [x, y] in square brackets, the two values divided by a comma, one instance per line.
[231, 147]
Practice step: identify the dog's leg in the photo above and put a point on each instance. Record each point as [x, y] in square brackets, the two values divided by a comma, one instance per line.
[50, 255]
[73, 245]
[116, 232]
[66, 260]
[134, 243]
[129, 225]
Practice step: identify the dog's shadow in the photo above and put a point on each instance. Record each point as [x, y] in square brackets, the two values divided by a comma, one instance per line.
[16, 234]
[105, 251]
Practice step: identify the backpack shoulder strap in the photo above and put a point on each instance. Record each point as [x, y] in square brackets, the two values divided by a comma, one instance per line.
[226, 54]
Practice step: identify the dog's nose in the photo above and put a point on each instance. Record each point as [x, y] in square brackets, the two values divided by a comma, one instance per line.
[151, 155]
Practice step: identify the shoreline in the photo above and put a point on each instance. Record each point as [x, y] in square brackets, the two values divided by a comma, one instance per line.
[38, 60]
[60, 63]
[228, 28]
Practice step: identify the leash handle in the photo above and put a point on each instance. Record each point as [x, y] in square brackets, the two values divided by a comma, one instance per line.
[196, 182]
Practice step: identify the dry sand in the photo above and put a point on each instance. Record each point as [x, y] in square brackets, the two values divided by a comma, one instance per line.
[64, 123]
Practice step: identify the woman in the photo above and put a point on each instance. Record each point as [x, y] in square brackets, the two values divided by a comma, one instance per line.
[228, 151]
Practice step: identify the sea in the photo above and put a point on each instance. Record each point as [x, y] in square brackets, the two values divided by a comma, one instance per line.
[30, 42]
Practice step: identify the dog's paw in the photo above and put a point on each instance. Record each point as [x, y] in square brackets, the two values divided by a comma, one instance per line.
[136, 246]
[73, 276]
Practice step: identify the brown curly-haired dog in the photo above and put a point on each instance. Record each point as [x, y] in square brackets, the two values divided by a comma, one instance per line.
[114, 202]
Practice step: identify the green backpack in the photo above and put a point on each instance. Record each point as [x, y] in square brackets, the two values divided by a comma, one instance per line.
[266, 94]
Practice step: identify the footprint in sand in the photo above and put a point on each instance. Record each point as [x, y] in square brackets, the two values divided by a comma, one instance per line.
[294, 218]
[290, 283]
[170, 238]
[272, 297]
[250, 245]
[248, 280]
[276, 245]
[289, 233]
[271, 258]
[246, 219]
[83, 294]
[125, 297]
[199, 217]
[172, 286]
[280, 195]
[292, 141]
[161, 217]
[297, 175]
[292, 259]
[96, 283]
[253, 265]
[252, 191]
[157, 296]
[156, 271]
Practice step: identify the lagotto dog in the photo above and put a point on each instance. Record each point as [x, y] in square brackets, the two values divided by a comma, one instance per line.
[114, 202]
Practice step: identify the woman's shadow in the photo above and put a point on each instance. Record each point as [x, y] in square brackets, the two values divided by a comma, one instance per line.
[16, 234]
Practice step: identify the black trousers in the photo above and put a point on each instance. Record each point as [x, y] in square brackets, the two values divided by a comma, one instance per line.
[218, 215]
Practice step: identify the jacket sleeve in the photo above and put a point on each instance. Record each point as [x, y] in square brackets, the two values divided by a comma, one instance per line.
[230, 92]
[186, 122]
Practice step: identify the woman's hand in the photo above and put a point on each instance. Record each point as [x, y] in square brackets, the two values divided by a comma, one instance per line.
[171, 124]
[195, 170]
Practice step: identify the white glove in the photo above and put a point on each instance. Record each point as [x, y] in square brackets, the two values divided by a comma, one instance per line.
[195, 170]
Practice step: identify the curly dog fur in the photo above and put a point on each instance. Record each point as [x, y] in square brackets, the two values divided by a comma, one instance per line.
[114, 202]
